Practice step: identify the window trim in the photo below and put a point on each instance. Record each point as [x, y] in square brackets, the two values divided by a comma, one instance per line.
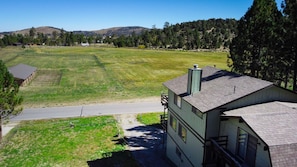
[241, 142]
[177, 100]
[250, 146]
[173, 126]
[197, 112]
[182, 129]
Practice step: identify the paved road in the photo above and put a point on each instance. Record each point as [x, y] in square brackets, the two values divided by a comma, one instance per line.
[145, 141]
[88, 110]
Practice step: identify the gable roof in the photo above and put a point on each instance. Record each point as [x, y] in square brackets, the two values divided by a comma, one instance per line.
[275, 124]
[218, 87]
[22, 71]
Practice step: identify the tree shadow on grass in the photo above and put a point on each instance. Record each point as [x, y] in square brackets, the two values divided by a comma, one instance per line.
[114, 159]
[146, 145]
[146, 137]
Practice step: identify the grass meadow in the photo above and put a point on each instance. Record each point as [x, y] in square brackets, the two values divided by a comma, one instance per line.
[80, 75]
[92, 141]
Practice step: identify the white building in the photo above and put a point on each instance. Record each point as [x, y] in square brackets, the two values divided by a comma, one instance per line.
[220, 118]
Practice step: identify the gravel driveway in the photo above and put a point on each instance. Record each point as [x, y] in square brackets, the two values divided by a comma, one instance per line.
[144, 142]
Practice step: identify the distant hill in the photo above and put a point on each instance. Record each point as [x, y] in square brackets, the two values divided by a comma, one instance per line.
[118, 31]
[45, 30]
[121, 30]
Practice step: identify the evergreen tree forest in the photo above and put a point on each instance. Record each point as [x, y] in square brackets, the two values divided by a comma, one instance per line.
[57, 38]
[201, 34]
[265, 46]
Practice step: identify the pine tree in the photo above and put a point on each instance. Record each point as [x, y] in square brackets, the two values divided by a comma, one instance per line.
[9, 97]
[290, 11]
[253, 50]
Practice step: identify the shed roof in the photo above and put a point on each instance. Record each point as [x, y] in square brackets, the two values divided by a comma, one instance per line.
[22, 71]
[218, 87]
[275, 124]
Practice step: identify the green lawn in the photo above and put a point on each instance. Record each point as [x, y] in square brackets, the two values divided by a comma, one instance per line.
[56, 143]
[77, 75]
[149, 118]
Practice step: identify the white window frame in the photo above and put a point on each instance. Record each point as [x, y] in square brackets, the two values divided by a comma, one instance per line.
[177, 100]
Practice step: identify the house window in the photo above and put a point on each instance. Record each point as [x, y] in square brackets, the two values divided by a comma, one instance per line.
[182, 132]
[177, 100]
[197, 112]
[246, 147]
[242, 143]
[173, 122]
[178, 152]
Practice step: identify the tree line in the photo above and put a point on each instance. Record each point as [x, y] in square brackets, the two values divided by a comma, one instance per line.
[266, 44]
[201, 34]
[57, 38]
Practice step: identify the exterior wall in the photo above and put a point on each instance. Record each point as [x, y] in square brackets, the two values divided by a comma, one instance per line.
[180, 161]
[185, 113]
[23, 82]
[213, 124]
[230, 128]
[266, 95]
[192, 150]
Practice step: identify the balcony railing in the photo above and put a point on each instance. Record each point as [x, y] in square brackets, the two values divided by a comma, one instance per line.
[219, 146]
[163, 121]
[163, 117]
[164, 100]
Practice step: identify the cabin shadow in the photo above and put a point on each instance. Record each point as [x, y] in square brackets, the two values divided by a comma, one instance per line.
[111, 159]
[152, 138]
[147, 149]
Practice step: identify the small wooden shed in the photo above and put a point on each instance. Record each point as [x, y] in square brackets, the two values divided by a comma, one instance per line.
[23, 73]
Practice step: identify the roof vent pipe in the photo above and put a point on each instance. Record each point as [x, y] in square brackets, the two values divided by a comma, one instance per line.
[194, 79]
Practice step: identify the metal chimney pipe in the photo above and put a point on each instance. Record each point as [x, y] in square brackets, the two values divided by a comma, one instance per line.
[194, 79]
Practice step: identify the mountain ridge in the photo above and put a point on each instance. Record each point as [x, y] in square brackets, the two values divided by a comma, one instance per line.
[48, 30]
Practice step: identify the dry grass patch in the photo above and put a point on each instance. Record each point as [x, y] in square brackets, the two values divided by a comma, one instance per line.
[47, 78]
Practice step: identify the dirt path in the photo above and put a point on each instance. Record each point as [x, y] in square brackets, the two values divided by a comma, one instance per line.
[145, 142]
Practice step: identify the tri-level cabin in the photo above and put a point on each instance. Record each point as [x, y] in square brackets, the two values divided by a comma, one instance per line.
[220, 118]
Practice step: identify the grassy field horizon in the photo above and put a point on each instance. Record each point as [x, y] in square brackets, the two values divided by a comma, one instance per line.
[84, 75]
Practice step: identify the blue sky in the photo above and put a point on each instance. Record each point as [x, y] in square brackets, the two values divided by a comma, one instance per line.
[99, 14]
